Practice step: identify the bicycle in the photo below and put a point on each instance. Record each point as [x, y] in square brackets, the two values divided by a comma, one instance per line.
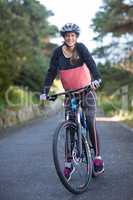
[70, 142]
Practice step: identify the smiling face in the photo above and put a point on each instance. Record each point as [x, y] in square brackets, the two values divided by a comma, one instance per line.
[70, 39]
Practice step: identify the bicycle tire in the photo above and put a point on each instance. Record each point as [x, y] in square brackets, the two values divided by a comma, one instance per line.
[67, 185]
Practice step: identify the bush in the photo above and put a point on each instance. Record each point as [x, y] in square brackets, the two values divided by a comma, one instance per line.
[18, 97]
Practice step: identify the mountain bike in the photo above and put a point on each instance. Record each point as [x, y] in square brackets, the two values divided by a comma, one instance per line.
[70, 144]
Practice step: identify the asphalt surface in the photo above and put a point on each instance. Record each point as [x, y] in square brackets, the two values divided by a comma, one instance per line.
[27, 171]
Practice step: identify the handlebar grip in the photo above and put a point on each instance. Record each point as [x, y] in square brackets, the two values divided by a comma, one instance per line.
[52, 97]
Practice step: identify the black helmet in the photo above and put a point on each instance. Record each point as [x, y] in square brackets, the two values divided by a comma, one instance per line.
[70, 27]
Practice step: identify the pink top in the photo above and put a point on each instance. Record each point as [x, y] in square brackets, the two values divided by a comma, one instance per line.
[75, 78]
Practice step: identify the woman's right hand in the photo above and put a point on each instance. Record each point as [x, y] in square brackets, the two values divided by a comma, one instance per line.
[96, 84]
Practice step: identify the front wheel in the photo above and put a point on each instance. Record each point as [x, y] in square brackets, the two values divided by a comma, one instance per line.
[65, 149]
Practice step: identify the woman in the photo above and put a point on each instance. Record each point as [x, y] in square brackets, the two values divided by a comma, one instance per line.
[76, 69]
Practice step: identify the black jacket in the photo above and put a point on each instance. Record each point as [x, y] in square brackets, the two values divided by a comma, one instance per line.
[59, 62]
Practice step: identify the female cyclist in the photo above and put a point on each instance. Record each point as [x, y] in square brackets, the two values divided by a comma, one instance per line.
[76, 69]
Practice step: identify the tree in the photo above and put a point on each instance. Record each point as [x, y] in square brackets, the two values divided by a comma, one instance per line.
[115, 18]
[23, 25]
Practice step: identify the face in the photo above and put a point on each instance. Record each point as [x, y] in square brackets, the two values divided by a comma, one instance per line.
[70, 39]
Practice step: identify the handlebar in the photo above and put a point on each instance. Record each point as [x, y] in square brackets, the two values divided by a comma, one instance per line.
[54, 97]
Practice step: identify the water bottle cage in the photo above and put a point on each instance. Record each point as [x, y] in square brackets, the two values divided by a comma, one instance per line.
[73, 104]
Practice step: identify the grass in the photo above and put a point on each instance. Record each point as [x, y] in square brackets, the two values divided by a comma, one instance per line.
[17, 97]
[117, 91]
[2, 104]
[127, 117]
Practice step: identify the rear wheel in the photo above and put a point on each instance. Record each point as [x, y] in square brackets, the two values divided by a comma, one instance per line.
[65, 146]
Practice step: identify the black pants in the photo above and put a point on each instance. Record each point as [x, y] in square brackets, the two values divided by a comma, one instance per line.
[88, 103]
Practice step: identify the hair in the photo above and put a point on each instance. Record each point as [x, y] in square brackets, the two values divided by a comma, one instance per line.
[75, 59]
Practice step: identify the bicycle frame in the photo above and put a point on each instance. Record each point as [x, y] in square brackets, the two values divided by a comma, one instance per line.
[75, 107]
[70, 147]
[75, 111]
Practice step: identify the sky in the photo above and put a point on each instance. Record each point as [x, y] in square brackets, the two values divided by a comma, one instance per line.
[80, 12]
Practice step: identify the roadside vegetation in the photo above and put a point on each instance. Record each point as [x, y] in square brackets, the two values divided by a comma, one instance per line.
[113, 26]
[25, 49]
[116, 94]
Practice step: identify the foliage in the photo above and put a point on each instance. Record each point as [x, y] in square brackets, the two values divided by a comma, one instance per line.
[115, 16]
[16, 98]
[113, 23]
[24, 27]
[115, 80]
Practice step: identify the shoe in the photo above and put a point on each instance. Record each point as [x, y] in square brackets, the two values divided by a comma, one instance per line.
[98, 165]
[68, 170]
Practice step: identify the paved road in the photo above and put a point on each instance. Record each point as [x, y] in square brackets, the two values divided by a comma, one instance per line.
[27, 171]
